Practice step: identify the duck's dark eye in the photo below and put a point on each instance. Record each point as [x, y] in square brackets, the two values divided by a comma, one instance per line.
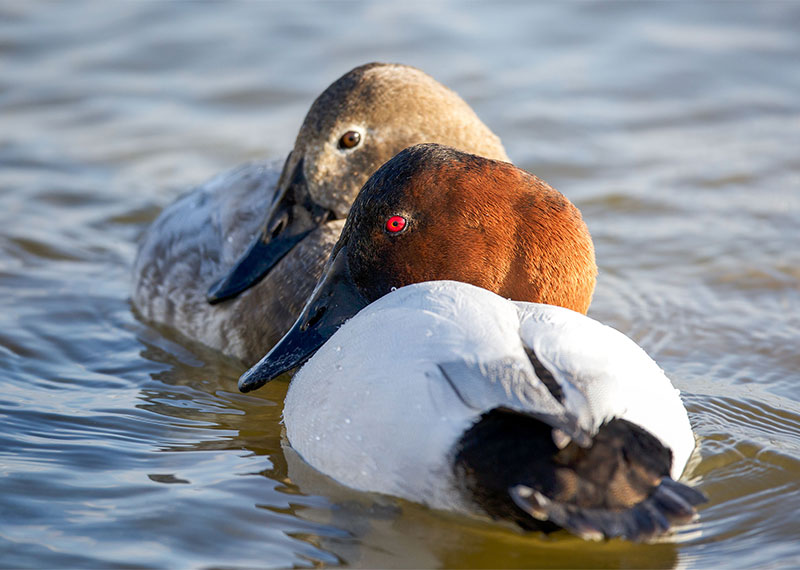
[350, 139]
[395, 224]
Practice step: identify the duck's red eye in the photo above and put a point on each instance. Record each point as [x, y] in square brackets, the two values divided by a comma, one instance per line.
[395, 224]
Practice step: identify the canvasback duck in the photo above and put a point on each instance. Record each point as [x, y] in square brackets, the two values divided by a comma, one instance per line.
[213, 245]
[446, 394]
[451, 395]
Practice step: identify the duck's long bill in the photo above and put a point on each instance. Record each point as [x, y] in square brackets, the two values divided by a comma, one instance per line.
[292, 216]
[335, 299]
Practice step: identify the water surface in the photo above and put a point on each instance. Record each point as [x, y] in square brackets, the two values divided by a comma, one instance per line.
[674, 127]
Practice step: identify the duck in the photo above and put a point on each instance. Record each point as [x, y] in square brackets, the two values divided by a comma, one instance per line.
[422, 379]
[231, 263]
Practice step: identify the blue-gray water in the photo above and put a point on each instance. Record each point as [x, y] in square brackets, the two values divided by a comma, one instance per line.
[675, 127]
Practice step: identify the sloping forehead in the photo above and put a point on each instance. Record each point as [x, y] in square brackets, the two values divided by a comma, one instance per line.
[364, 89]
[428, 172]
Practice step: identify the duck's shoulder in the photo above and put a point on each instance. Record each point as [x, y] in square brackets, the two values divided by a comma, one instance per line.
[579, 344]
[201, 232]
[240, 198]
[229, 205]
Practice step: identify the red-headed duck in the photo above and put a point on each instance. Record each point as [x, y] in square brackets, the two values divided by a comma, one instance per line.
[213, 245]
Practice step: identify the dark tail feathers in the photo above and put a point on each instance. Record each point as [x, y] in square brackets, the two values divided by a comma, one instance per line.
[521, 468]
[671, 503]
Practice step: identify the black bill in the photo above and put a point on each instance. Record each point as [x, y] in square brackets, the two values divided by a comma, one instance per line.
[335, 299]
[292, 217]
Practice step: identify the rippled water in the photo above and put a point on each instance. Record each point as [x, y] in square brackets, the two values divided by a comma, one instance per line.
[674, 127]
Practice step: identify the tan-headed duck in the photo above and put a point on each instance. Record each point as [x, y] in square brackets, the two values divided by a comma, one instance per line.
[211, 267]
